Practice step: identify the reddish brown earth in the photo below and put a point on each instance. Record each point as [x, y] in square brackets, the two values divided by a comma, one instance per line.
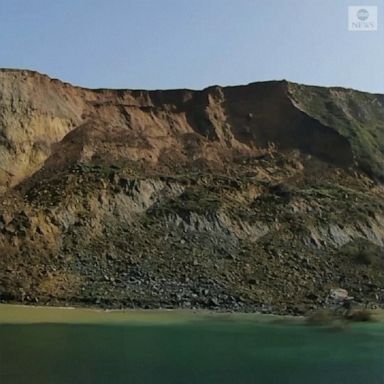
[256, 197]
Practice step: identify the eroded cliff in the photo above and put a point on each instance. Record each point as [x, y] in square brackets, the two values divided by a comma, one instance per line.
[261, 196]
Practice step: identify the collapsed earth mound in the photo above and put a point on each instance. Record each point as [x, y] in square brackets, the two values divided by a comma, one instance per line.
[256, 197]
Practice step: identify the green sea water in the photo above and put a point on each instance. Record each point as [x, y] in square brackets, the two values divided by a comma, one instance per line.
[191, 349]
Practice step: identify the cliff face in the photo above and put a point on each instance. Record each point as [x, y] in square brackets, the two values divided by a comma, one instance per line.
[259, 196]
[37, 113]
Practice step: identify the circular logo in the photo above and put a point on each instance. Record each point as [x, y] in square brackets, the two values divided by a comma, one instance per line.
[362, 14]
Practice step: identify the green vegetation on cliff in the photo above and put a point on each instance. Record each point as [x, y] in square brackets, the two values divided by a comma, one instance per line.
[358, 116]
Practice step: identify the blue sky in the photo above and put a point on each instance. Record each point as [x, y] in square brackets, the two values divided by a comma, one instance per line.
[156, 44]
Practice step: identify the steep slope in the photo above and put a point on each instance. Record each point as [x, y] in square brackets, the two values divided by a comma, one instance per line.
[357, 116]
[261, 196]
[37, 112]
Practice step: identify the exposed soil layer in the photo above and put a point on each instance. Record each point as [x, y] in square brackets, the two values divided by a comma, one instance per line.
[258, 197]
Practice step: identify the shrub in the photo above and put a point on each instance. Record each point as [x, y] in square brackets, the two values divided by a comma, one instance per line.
[361, 315]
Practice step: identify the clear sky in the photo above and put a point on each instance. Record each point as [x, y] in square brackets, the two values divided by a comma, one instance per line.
[192, 43]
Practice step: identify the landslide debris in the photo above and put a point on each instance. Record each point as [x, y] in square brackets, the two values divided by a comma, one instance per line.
[260, 197]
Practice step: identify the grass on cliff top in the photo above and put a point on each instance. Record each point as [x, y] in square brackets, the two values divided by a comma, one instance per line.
[358, 116]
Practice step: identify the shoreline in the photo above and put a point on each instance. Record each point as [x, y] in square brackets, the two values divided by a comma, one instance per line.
[35, 314]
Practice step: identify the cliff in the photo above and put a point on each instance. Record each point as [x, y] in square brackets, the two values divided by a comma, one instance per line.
[261, 196]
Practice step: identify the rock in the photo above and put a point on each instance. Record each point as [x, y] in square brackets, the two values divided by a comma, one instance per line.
[10, 228]
[312, 296]
[5, 219]
[339, 295]
[214, 301]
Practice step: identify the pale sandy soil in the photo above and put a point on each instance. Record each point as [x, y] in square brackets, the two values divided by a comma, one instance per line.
[21, 314]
